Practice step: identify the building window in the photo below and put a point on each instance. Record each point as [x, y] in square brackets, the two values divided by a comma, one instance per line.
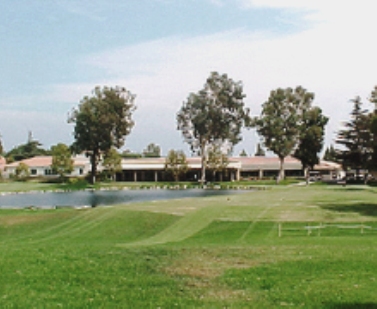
[81, 171]
[49, 172]
[33, 171]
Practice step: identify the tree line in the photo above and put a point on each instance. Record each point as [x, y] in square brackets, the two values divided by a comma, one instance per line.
[211, 121]
[357, 139]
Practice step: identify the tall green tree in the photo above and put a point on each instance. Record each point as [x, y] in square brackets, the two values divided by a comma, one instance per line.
[62, 162]
[152, 151]
[356, 139]
[176, 163]
[216, 114]
[102, 121]
[112, 163]
[311, 138]
[281, 119]
[330, 154]
[373, 129]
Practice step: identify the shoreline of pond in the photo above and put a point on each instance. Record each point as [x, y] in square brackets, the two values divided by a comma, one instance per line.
[93, 197]
[141, 188]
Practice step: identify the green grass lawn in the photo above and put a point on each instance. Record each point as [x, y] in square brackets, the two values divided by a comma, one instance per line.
[215, 252]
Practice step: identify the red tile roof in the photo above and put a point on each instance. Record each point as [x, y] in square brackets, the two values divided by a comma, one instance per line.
[41, 161]
[34, 162]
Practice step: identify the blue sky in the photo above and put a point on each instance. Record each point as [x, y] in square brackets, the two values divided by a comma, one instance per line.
[55, 52]
[45, 41]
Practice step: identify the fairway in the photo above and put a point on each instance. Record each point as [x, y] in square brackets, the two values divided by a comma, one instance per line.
[289, 246]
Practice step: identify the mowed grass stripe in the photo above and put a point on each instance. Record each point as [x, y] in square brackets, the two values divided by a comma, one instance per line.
[84, 226]
[187, 226]
[79, 222]
[253, 223]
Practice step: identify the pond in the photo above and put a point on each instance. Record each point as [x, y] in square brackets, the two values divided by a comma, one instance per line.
[100, 198]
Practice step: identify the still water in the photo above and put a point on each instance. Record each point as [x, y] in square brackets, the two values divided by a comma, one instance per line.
[101, 198]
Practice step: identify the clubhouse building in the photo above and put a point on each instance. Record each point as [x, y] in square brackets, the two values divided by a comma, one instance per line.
[153, 169]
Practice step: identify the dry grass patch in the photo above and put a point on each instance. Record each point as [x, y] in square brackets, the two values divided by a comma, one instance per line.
[207, 267]
[29, 218]
[200, 272]
[19, 220]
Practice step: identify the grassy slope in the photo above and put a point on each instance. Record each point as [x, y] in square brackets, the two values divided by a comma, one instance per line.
[209, 253]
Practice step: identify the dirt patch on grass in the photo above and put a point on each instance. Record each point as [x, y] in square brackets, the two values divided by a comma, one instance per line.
[206, 266]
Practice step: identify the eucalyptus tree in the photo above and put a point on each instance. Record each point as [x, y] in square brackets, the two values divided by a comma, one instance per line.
[280, 121]
[102, 121]
[311, 139]
[217, 161]
[176, 163]
[216, 114]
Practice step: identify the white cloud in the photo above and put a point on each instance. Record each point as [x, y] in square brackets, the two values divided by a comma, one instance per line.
[335, 58]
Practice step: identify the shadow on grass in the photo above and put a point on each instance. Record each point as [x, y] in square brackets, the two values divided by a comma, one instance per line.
[351, 306]
[361, 208]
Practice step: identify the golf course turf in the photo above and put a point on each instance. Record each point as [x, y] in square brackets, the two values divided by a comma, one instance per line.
[289, 246]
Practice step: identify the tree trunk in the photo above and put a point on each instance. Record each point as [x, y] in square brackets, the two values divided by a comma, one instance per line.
[93, 162]
[306, 173]
[281, 171]
[357, 173]
[204, 163]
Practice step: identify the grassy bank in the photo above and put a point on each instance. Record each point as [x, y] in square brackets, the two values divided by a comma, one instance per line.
[217, 252]
[77, 184]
